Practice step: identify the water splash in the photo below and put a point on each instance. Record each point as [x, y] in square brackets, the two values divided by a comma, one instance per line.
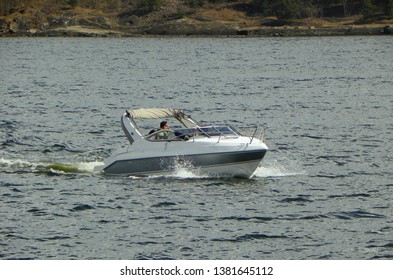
[180, 169]
[185, 173]
[16, 163]
[183, 169]
[88, 166]
[279, 168]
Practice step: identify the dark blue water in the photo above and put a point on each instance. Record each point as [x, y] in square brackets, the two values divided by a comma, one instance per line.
[323, 191]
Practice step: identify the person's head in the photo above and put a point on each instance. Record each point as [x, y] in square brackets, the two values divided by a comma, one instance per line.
[164, 125]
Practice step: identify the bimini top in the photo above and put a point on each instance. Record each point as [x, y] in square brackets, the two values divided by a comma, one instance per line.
[154, 113]
[162, 113]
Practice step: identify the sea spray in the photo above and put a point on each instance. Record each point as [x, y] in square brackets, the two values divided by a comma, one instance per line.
[184, 169]
[88, 166]
[279, 168]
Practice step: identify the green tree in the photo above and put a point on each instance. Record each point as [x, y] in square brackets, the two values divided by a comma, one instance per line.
[389, 8]
[195, 3]
[286, 8]
[73, 3]
[263, 7]
[296, 9]
[369, 10]
[149, 5]
[386, 7]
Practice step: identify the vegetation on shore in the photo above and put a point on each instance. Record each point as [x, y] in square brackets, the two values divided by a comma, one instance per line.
[182, 17]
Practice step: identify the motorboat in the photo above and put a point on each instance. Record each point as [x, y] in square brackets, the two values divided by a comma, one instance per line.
[214, 150]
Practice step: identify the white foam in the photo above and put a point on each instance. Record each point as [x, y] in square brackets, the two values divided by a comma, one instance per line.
[15, 162]
[4, 161]
[186, 173]
[56, 172]
[281, 168]
[185, 170]
[88, 166]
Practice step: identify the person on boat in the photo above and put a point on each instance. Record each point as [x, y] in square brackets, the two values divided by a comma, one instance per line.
[164, 131]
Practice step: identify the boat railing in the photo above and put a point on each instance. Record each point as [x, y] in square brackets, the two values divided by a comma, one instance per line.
[225, 131]
[206, 131]
[254, 132]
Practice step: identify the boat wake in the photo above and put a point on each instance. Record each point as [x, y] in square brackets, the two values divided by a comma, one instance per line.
[18, 165]
[275, 168]
[279, 168]
[182, 170]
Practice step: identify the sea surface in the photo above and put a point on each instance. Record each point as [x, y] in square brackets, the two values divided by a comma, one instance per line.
[323, 191]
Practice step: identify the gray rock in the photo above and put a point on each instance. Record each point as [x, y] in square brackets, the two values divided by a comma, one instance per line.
[57, 22]
[388, 30]
[4, 26]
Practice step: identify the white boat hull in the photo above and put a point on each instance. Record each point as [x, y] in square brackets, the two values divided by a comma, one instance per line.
[236, 158]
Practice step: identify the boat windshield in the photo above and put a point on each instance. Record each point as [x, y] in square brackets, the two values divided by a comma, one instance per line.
[184, 134]
[208, 131]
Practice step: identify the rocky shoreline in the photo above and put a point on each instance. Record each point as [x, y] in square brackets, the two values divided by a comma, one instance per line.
[30, 23]
[173, 30]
